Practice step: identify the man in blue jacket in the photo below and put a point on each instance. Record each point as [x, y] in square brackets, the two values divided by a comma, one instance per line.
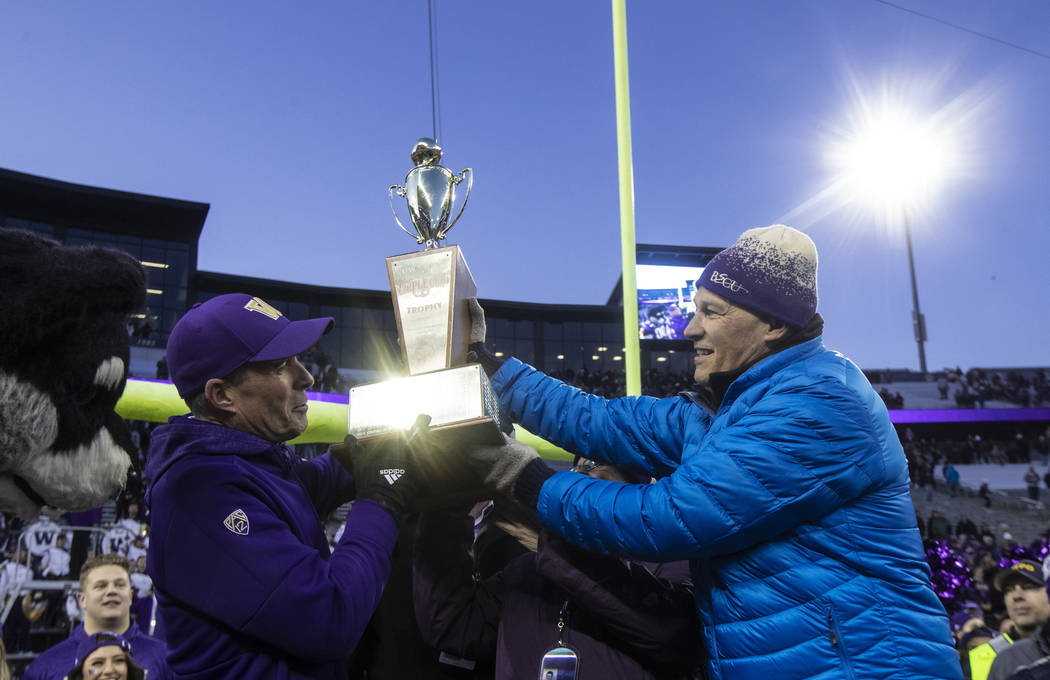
[782, 481]
[105, 598]
[245, 581]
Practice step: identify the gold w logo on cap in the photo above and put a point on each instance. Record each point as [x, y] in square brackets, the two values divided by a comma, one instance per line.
[237, 522]
[263, 307]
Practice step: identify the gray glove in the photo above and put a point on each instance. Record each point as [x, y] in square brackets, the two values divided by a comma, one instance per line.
[477, 350]
[477, 321]
[500, 466]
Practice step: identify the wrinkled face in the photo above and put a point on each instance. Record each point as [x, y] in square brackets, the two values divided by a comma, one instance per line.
[106, 663]
[106, 596]
[270, 402]
[725, 336]
[1026, 603]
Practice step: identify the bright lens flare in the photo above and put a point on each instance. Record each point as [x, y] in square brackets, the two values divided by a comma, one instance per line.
[895, 160]
[899, 146]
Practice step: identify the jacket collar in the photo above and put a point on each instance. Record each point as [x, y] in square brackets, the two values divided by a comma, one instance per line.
[726, 386]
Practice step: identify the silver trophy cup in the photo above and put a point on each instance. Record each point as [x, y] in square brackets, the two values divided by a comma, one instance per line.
[430, 191]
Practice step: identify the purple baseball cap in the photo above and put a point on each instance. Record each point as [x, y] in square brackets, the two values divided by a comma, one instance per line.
[217, 337]
[97, 641]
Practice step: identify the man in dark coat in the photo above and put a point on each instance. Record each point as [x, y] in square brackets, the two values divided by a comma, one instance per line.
[623, 619]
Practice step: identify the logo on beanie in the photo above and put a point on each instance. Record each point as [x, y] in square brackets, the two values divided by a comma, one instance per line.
[257, 305]
[391, 475]
[237, 522]
[726, 282]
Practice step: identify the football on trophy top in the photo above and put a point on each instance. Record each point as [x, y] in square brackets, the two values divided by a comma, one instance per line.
[430, 290]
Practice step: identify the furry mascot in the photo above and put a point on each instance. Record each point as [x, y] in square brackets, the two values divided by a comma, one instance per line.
[63, 365]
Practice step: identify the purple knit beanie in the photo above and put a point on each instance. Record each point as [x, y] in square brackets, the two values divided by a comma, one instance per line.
[771, 270]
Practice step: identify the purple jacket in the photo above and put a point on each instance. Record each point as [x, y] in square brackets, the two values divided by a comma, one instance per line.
[240, 563]
[623, 619]
[57, 662]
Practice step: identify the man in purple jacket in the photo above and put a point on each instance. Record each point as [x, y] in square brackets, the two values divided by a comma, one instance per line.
[105, 597]
[241, 567]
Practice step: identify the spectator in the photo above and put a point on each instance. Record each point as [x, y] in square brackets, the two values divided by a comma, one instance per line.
[13, 573]
[938, 528]
[142, 599]
[951, 476]
[105, 656]
[623, 619]
[985, 493]
[1042, 447]
[54, 564]
[926, 476]
[105, 598]
[1024, 589]
[970, 632]
[965, 527]
[1031, 479]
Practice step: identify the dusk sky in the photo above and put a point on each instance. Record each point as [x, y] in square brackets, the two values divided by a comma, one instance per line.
[291, 119]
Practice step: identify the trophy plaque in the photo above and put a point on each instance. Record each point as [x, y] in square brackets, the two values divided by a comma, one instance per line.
[430, 290]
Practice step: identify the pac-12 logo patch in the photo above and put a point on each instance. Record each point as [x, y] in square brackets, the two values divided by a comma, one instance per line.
[237, 522]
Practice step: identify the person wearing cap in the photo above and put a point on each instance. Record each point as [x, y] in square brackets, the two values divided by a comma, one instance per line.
[105, 598]
[781, 479]
[105, 656]
[1024, 591]
[245, 581]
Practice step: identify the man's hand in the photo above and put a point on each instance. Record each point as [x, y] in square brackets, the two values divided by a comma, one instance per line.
[500, 466]
[385, 470]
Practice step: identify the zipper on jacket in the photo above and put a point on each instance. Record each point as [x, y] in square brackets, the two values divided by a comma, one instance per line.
[836, 642]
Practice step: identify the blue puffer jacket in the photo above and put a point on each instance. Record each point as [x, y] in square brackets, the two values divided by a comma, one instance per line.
[791, 502]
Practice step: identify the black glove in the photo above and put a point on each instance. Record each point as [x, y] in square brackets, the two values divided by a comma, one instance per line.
[385, 470]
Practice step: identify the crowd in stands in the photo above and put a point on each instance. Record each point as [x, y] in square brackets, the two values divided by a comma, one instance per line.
[976, 387]
[926, 453]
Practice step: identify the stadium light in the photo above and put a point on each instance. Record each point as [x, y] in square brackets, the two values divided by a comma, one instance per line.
[892, 161]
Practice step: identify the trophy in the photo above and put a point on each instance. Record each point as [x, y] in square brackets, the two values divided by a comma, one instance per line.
[430, 290]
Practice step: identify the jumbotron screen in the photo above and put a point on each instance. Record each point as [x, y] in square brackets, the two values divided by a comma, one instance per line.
[665, 300]
[666, 280]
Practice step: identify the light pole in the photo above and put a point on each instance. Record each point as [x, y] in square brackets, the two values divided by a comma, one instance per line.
[918, 320]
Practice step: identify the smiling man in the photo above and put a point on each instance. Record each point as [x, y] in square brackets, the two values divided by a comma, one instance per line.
[105, 598]
[242, 571]
[781, 479]
[1027, 605]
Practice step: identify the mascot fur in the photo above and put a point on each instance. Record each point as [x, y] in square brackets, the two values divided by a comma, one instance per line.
[63, 365]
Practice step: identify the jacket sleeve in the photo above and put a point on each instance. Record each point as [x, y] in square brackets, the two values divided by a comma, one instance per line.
[327, 483]
[651, 618]
[265, 582]
[793, 457]
[454, 613]
[639, 432]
